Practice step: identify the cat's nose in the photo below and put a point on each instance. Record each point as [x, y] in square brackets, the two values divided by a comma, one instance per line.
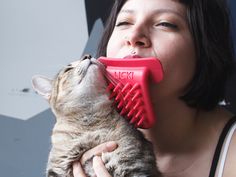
[85, 57]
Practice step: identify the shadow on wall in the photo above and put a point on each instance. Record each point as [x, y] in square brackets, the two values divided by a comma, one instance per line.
[95, 12]
[25, 145]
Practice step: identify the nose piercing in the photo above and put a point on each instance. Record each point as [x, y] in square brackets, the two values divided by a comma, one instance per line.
[133, 52]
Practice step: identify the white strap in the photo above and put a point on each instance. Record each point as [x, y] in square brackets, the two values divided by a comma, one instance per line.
[225, 150]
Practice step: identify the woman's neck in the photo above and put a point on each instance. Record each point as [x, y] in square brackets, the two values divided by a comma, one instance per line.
[175, 122]
[181, 134]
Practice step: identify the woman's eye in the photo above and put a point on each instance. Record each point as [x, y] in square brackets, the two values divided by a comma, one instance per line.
[167, 25]
[122, 23]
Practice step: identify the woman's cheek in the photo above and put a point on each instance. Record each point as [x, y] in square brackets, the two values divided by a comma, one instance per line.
[178, 69]
[112, 45]
[108, 51]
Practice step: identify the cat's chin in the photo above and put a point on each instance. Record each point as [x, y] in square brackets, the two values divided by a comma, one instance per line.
[93, 81]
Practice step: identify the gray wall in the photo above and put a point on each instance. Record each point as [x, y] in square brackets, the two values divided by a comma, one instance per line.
[36, 37]
[39, 37]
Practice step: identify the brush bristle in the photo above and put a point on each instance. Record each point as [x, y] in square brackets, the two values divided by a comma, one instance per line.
[128, 100]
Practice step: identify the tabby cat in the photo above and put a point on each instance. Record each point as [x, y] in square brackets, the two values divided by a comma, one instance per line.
[86, 118]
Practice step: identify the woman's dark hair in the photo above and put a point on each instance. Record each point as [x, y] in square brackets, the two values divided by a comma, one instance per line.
[209, 23]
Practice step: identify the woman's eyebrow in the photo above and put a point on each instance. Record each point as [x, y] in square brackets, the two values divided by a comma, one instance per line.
[157, 11]
[171, 11]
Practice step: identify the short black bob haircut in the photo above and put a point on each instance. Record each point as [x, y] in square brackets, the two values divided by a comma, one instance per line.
[209, 24]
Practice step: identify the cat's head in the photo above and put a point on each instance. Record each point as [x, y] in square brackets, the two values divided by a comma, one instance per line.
[78, 88]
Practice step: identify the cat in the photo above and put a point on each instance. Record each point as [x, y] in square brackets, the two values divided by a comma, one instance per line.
[86, 118]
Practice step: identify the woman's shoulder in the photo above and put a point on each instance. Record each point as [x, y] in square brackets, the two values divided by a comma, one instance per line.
[223, 122]
[227, 162]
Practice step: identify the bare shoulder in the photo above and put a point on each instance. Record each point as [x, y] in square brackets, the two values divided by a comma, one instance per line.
[230, 164]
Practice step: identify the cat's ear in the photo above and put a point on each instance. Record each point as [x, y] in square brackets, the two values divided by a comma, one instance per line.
[42, 85]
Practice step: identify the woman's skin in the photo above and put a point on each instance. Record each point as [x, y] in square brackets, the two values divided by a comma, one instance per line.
[184, 138]
[98, 165]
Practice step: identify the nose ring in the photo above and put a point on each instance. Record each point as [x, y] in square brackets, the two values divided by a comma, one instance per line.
[133, 52]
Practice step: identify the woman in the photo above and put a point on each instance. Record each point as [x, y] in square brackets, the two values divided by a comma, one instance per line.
[193, 42]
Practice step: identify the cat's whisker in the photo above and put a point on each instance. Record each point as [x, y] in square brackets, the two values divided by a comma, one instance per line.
[105, 73]
[111, 79]
[100, 65]
[115, 82]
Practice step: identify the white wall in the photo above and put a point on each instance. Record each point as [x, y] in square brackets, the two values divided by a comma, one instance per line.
[36, 37]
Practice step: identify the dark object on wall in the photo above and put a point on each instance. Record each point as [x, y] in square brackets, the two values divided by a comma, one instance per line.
[97, 10]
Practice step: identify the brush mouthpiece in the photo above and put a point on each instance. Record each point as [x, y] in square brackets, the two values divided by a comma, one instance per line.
[128, 83]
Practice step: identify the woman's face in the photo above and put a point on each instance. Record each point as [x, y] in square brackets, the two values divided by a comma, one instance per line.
[156, 28]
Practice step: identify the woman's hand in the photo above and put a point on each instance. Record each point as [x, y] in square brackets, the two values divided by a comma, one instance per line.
[98, 166]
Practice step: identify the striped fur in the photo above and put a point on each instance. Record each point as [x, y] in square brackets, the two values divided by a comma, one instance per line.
[85, 118]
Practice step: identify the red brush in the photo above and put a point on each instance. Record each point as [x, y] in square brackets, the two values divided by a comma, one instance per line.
[129, 81]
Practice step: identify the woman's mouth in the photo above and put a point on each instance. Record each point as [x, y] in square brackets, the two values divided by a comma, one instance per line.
[132, 56]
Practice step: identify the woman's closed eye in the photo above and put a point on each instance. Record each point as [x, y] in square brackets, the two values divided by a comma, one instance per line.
[167, 25]
[123, 23]
[161, 24]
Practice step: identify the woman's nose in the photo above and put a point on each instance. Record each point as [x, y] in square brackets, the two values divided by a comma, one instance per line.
[137, 39]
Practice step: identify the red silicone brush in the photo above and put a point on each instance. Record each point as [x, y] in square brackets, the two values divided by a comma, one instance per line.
[129, 81]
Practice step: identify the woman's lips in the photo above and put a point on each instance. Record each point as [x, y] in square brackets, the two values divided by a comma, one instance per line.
[132, 56]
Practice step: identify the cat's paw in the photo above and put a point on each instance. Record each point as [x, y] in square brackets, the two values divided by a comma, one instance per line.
[109, 159]
[106, 157]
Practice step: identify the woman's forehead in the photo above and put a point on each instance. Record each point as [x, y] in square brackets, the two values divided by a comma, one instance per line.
[175, 6]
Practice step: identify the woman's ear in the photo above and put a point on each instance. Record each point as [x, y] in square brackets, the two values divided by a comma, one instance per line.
[42, 85]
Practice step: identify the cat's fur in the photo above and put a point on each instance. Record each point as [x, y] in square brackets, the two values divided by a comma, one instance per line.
[85, 118]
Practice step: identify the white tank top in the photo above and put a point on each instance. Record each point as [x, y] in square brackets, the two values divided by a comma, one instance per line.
[225, 149]
[222, 148]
